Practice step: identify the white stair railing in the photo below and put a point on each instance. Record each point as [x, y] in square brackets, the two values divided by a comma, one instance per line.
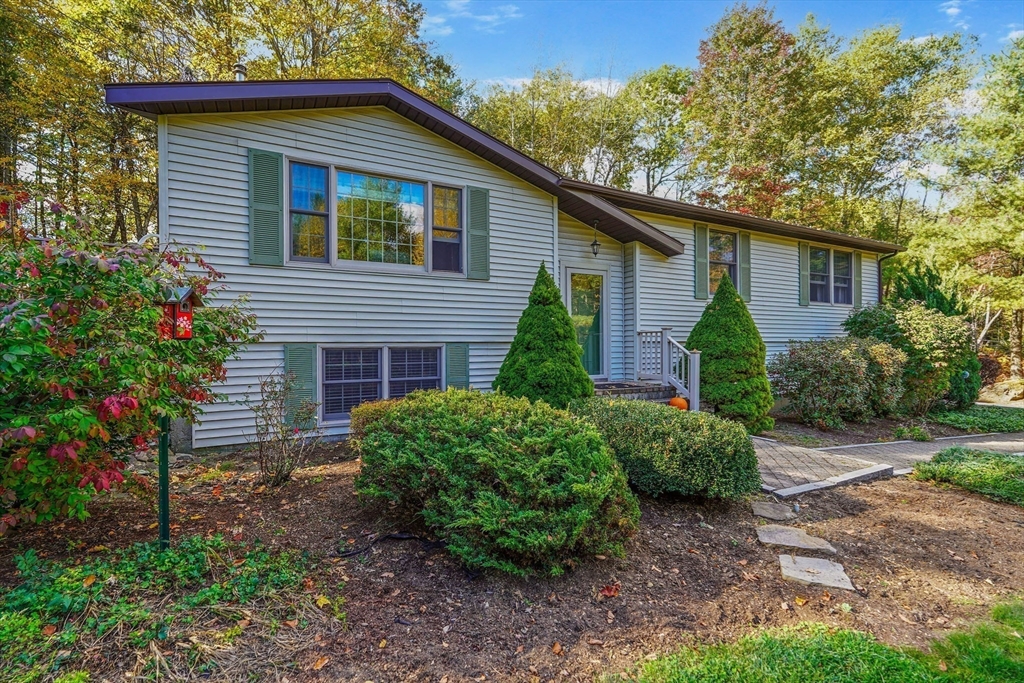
[660, 357]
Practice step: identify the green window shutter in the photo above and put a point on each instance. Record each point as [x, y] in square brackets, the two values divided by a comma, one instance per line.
[456, 365]
[700, 261]
[858, 281]
[301, 363]
[744, 265]
[805, 273]
[266, 208]
[479, 234]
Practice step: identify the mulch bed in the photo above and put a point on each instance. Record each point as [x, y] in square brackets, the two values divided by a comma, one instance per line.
[925, 559]
[789, 430]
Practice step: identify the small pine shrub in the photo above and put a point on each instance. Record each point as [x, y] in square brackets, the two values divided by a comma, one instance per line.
[964, 383]
[828, 382]
[732, 361]
[544, 362]
[664, 449]
[935, 345]
[508, 484]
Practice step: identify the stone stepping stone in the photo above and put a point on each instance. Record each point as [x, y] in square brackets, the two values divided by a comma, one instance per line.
[775, 534]
[776, 511]
[811, 570]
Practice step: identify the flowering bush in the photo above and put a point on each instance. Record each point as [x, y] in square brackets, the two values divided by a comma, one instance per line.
[827, 382]
[86, 367]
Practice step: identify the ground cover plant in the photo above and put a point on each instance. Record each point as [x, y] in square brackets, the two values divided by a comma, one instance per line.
[732, 360]
[152, 599]
[666, 450]
[982, 419]
[87, 365]
[997, 475]
[828, 382]
[990, 652]
[507, 484]
[544, 362]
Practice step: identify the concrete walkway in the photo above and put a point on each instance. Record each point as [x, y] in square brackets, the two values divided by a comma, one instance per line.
[790, 470]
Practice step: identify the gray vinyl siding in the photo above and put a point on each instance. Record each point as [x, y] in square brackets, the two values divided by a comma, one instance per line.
[574, 239]
[629, 293]
[207, 204]
[666, 289]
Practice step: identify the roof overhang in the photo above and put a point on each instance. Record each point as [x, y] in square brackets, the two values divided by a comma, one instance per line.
[635, 201]
[156, 99]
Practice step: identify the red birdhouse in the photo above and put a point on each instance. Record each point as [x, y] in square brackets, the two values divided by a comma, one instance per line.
[178, 304]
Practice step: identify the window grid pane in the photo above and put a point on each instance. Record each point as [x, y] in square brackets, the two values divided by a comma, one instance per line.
[412, 369]
[380, 220]
[308, 207]
[819, 275]
[351, 377]
[446, 250]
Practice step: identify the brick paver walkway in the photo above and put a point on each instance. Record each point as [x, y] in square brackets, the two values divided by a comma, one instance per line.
[904, 454]
[784, 466]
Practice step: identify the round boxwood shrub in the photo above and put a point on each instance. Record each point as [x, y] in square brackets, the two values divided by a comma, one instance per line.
[827, 382]
[664, 449]
[507, 484]
[732, 368]
[544, 362]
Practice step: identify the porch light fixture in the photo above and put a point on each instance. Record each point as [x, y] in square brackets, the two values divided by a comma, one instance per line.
[595, 246]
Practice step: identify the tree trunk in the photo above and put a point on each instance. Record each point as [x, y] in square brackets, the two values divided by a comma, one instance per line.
[1017, 344]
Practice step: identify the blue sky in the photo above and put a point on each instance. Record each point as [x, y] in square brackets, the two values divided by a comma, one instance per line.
[505, 40]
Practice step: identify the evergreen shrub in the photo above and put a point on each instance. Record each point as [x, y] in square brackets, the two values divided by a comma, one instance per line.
[732, 361]
[544, 362]
[664, 449]
[508, 484]
[828, 382]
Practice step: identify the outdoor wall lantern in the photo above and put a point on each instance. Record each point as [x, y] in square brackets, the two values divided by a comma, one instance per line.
[595, 246]
[178, 305]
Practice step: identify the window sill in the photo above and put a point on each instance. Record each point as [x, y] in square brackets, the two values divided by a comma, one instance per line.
[388, 269]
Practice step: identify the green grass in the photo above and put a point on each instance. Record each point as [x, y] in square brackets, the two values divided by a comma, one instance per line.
[135, 596]
[996, 475]
[982, 419]
[992, 652]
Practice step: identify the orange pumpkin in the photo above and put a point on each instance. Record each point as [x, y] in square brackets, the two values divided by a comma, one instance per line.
[679, 402]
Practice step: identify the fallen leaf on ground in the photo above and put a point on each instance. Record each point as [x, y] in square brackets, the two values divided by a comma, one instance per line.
[320, 663]
[742, 563]
[96, 549]
[595, 641]
[611, 591]
[291, 623]
[800, 601]
[89, 580]
[383, 643]
[49, 630]
[942, 665]
[322, 600]
[557, 648]
[243, 623]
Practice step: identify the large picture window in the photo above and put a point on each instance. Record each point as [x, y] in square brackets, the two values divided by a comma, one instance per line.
[380, 220]
[721, 258]
[309, 214]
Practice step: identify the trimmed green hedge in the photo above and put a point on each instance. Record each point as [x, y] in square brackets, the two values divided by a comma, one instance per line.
[664, 449]
[507, 484]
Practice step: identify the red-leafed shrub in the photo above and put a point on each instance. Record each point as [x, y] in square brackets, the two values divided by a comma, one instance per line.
[86, 370]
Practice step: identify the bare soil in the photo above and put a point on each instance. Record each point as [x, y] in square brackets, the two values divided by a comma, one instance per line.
[791, 431]
[924, 560]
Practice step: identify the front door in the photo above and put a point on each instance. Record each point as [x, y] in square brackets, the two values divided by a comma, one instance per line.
[587, 308]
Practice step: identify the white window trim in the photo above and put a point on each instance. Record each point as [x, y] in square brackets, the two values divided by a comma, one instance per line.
[831, 276]
[385, 370]
[333, 263]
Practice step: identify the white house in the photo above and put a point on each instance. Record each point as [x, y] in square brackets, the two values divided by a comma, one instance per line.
[389, 245]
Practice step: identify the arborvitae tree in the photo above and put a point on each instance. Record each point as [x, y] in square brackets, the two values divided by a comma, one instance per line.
[732, 370]
[544, 362]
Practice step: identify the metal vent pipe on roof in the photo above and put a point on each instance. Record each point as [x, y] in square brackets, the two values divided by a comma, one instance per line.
[239, 71]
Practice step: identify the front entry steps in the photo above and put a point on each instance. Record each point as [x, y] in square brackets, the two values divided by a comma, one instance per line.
[639, 391]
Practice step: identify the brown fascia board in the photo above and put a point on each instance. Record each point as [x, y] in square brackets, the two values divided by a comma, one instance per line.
[635, 201]
[226, 97]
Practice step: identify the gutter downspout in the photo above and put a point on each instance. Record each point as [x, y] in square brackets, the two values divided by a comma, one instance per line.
[880, 292]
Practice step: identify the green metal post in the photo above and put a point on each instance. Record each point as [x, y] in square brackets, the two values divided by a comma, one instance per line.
[165, 493]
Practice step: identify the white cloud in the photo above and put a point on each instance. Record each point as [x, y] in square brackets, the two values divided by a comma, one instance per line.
[607, 86]
[951, 8]
[482, 18]
[508, 81]
[1014, 34]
